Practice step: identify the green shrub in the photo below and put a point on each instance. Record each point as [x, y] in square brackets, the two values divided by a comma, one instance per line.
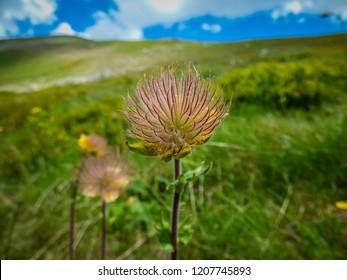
[285, 85]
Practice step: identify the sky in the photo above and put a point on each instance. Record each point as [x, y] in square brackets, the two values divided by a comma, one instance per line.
[197, 20]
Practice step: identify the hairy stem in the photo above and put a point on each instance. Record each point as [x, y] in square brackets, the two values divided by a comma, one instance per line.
[103, 242]
[175, 212]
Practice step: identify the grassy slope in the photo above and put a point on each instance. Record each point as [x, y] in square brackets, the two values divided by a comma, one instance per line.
[39, 61]
[276, 175]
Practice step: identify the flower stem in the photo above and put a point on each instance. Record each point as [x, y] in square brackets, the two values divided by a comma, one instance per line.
[103, 244]
[175, 212]
[72, 222]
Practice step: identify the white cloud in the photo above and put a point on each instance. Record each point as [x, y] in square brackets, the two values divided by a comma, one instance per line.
[143, 13]
[132, 17]
[337, 7]
[294, 7]
[275, 14]
[64, 28]
[165, 6]
[36, 11]
[214, 28]
[39, 11]
[107, 27]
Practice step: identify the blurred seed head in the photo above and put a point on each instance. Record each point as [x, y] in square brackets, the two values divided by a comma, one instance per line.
[93, 144]
[171, 114]
[105, 176]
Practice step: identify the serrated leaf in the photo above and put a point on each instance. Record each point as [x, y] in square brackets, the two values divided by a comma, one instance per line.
[188, 176]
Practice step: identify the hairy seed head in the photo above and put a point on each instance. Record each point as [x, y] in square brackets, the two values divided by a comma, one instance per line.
[105, 176]
[171, 114]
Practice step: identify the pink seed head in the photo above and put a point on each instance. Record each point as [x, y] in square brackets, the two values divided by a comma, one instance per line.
[105, 176]
[171, 114]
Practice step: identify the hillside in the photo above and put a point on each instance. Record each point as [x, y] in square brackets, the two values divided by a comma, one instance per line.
[36, 63]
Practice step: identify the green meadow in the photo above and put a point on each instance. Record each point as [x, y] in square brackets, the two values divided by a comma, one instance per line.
[279, 157]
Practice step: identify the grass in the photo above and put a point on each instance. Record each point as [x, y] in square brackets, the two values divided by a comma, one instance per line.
[278, 168]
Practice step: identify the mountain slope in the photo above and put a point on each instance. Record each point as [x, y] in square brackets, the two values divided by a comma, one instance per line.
[35, 63]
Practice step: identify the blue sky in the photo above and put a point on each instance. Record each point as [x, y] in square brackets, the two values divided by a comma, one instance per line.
[203, 20]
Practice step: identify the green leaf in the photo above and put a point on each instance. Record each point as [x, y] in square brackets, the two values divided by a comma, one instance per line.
[167, 247]
[185, 233]
[188, 176]
[163, 233]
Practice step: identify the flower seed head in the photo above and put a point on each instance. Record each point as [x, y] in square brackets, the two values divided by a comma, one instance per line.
[105, 176]
[171, 114]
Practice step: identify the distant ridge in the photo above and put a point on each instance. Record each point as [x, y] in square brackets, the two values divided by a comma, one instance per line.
[29, 64]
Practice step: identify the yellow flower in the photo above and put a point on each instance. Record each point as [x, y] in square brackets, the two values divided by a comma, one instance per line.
[105, 176]
[341, 205]
[1, 129]
[35, 110]
[169, 115]
[93, 144]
